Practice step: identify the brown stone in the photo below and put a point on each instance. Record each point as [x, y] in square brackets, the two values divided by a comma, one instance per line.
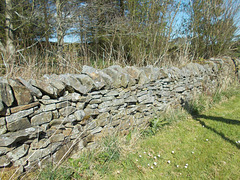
[22, 94]
[67, 132]
[24, 107]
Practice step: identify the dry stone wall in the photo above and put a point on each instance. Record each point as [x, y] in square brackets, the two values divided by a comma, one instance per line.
[43, 119]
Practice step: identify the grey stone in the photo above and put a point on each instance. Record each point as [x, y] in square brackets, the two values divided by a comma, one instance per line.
[3, 129]
[100, 78]
[5, 150]
[63, 104]
[6, 94]
[107, 98]
[95, 101]
[103, 119]
[18, 152]
[92, 106]
[56, 83]
[144, 97]
[131, 99]
[1, 106]
[39, 154]
[46, 97]
[90, 112]
[96, 130]
[133, 72]
[41, 118]
[73, 84]
[124, 94]
[119, 79]
[180, 89]
[18, 115]
[48, 101]
[141, 93]
[143, 79]
[80, 114]
[33, 90]
[117, 102]
[45, 86]
[80, 105]
[2, 121]
[112, 93]
[49, 107]
[62, 121]
[91, 125]
[67, 111]
[4, 161]
[149, 100]
[86, 81]
[56, 138]
[76, 97]
[13, 137]
[21, 123]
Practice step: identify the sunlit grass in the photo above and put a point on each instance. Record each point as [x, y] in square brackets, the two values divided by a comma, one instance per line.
[205, 147]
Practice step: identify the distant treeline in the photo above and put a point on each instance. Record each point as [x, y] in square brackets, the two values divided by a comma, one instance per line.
[131, 32]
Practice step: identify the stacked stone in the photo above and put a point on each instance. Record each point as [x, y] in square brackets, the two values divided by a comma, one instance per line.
[47, 117]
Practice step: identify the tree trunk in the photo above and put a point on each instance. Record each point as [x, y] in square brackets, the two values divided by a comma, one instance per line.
[60, 32]
[46, 23]
[122, 8]
[10, 48]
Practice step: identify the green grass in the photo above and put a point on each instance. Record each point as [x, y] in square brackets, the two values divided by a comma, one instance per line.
[203, 136]
[206, 142]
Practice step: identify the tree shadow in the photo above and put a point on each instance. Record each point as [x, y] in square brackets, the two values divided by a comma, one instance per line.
[197, 116]
[221, 119]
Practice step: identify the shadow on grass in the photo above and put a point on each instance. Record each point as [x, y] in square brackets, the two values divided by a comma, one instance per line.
[221, 119]
[197, 116]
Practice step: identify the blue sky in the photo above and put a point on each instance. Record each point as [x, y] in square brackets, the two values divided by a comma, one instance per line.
[72, 38]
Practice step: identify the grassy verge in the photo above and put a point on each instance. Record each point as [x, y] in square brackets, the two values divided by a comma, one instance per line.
[205, 145]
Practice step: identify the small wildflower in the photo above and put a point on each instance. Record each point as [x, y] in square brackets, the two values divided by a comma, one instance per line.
[155, 163]
[168, 161]
[148, 165]
[192, 152]
[137, 160]
[180, 173]
[118, 172]
[144, 152]
[158, 155]
[155, 157]
[177, 166]
[140, 156]
[203, 126]
[151, 167]
[206, 139]
[186, 167]
[172, 152]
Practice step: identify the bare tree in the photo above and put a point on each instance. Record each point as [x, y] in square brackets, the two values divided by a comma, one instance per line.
[10, 48]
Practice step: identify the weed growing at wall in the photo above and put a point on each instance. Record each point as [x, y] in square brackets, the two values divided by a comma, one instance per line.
[203, 102]
[165, 118]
